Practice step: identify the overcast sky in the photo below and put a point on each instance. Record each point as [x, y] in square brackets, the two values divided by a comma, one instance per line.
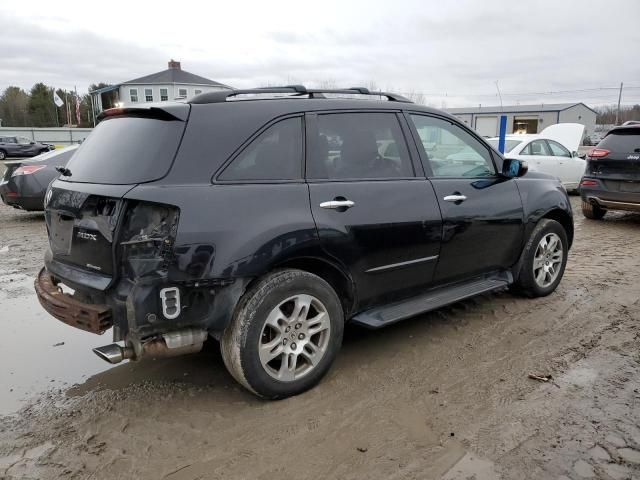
[451, 51]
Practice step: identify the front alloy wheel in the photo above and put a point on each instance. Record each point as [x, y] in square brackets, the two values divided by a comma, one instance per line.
[548, 260]
[543, 260]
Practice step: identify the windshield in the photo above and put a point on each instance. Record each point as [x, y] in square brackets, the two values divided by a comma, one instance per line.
[126, 150]
[508, 144]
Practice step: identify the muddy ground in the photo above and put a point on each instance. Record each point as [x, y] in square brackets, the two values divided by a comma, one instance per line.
[445, 395]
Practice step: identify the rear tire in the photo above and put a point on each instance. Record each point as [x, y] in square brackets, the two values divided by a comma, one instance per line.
[3, 154]
[284, 335]
[592, 212]
[544, 260]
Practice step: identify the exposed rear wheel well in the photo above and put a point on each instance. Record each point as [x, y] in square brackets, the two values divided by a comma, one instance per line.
[563, 219]
[332, 275]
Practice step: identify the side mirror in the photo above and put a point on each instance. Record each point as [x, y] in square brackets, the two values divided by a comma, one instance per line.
[32, 143]
[512, 168]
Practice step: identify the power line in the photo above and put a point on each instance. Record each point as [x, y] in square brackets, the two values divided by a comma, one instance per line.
[550, 92]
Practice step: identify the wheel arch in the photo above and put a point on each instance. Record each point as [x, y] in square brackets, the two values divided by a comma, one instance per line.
[339, 280]
[564, 219]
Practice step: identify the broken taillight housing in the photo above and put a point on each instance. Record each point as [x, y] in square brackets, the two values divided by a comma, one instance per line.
[147, 238]
[27, 170]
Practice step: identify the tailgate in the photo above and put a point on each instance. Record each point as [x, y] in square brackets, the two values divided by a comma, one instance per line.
[82, 224]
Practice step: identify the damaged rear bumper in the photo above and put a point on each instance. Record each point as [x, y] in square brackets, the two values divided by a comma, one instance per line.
[95, 318]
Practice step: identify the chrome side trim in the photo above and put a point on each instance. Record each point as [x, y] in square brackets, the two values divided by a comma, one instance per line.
[391, 266]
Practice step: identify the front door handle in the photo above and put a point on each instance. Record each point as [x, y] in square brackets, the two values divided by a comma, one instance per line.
[456, 197]
[337, 204]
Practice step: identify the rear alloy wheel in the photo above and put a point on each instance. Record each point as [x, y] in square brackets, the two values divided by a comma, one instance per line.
[3, 154]
[285, 333]
[592, 212]
[543, 260]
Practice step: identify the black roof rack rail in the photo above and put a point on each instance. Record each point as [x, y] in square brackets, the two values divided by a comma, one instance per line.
[296, 90]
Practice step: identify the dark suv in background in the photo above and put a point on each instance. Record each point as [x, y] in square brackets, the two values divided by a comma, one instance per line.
[21, 147]
[268, 222]
[612, 177]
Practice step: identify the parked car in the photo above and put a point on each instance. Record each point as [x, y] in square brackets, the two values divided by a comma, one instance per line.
[243, 221]
[612, 177]
[21, 147]
[553, 151]
[25, 182]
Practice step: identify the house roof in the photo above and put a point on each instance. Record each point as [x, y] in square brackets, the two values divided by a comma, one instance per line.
[174, 75]
[545, 107]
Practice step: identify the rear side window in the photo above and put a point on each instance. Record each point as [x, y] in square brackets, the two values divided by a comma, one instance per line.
[360, 146]
[622, 141]
[126, 150]
[276, 154]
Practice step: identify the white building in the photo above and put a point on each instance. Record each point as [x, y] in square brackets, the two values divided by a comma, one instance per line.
[526, 118]
[170, 84]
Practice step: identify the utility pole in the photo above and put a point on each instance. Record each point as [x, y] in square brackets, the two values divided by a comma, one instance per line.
[619, 99]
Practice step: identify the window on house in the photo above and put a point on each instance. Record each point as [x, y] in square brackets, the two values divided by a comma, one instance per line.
[182, 93]
[164, 94]
[197, 92]
[133, 94]
[148, 95]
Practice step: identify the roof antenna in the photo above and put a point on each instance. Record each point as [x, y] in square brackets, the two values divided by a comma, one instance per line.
[499, 96]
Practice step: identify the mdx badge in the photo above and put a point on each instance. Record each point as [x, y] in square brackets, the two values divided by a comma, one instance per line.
[87, 236]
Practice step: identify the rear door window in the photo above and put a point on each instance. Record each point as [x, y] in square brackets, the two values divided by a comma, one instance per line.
[276, 154]
[537, 147]
[558, 150]
[359, 146]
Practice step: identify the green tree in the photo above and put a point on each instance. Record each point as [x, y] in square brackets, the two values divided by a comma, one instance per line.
[13, 107]
[42, 110]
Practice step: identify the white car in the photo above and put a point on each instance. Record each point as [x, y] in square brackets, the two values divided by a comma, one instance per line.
[553, 151]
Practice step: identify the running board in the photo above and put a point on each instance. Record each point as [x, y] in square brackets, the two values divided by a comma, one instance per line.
[439, 297]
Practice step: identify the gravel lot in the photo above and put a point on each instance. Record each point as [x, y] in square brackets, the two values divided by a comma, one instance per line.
[445, 395]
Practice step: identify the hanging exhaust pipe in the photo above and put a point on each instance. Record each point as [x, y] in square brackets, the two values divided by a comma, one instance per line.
[167, 345]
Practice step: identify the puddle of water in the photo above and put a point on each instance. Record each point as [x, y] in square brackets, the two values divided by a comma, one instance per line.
[38, 352]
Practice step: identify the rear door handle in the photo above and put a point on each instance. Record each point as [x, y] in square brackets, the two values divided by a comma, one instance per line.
[455, 198]
[337, 204]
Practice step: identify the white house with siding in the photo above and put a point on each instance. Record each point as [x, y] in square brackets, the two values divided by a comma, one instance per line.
[170, 84]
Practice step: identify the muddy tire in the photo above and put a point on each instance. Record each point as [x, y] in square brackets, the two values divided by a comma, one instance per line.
[284, 335]
[592, 211]
[543, 260]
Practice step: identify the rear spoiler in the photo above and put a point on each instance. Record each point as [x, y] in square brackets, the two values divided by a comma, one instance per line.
[175, 111]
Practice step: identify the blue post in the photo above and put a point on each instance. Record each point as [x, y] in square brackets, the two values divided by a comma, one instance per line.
[503, 133]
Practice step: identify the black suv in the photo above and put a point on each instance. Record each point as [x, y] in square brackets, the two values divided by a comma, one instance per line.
[611, 179]
[21, 147]
[268, 218]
